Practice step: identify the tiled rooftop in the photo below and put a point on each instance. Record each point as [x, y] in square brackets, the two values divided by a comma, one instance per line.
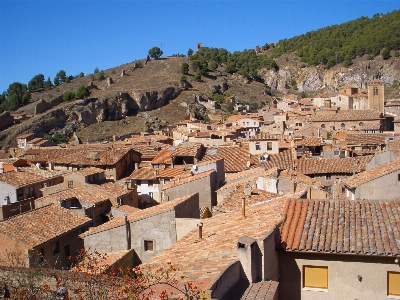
[28, 175]
[202, 261]
[281, 160]
[312, 141]
[171, 172]
[148, 150]
[347, 115]
[366, 139]
[235, 158]
[147, 173]
[89, 171]
[186, 149]
[264, 290]
[342, 226]
[114, 188]
[233, 201]
[163, 156]
[40, 225]
[299, 177]
[332, 165]
[137, 215]
[371, 174]
[80, 194]
[263, 136]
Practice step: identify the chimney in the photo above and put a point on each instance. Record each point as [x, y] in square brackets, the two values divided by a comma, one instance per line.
[250, 258]
[136, 166]
[127, 233]
[200, 225]
[243, 208]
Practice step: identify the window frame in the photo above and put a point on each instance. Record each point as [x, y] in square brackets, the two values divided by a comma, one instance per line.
[316, 288]
[395, 296]
[146, 244]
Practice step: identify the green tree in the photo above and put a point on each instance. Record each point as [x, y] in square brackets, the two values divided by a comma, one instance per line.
[48, 84]
[81, 74]
[82, 92]
[60, 77]
[17, 95]
[183, 78]
[385, 53]
[184, 68]
[37, 82]
[190, 52]
[197, 76]
[303, 94]
[213, 65]
[68, 95]
[96, 70]
[101, 76]
[155, 52]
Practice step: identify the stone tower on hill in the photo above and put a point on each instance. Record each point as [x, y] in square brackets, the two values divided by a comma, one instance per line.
[376, 95]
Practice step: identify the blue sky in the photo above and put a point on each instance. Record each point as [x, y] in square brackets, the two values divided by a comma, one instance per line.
[45, 36]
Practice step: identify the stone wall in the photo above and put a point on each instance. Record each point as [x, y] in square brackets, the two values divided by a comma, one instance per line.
[6, 120]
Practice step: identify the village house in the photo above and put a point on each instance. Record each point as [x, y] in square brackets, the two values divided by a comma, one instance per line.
[339, 249]
[20, 187]
[187, 154]
[148, 232]
[148, 186]
[263, 144]
[375, 183]
[251, 124]
[47, 236]
[114, 161]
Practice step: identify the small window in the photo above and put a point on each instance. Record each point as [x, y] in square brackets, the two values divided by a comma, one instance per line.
[398, 177]
[41, 255]
[150, 182]
[323, 125]
[148, 245]
[343, 125]
[393, 284]
[361, 124]
[328, 176]
[315, 277]
[258, 147]
[56, 248]
[67, 251]
[70, 184]
[138, 182]
[269, 145]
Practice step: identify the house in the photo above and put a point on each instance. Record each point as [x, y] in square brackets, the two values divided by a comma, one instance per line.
[187, 154]
[348, 120]
[375, 183]
[308, 146]
[23, 139]
[20, 187]
[148, 231]
[47, 235]
[228, 250]
[263, 144]
[114, 161]
[148, 186]
[339, 249]
[251, 124]
[80, 201]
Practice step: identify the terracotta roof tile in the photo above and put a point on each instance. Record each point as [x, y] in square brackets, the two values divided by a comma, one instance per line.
[281, 160]
[164, 156]
[347, 115]
[342, 226]
[235, 158]
[40, 225]
[170, 172]
[366, 139]
[371, 174]
[28, 175]
[183, 179]
[147, 173]
[89, 171]
[187, 149]
[265, 290]
[202, 261]
[332, 165]
[114, 188]
[80, 194]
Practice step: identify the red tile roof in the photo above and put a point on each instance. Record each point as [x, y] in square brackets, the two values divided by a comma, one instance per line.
[183, 179]
[332, 165]
[202, 261]
[264, 290]
[342, 226]
[281, 160]
[187, 149]
[347, 115]
[41, 225]
[147, 173]
[235, 158]
[170, 172]
[80, 194]
[371, 174]
[29, 175]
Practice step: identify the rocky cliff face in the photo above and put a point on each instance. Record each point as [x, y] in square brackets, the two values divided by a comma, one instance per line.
[317, 78]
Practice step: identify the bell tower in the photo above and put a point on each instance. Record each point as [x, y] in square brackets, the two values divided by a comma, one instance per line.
[376, 95]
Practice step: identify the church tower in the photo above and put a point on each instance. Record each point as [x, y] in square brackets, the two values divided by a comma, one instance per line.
[376, 95]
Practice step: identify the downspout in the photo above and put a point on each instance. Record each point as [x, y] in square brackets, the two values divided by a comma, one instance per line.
[128, 244]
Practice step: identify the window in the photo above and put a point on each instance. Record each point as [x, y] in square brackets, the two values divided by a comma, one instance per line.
[150, 182]
[343, 125]
[361, 124]
[148, 245]
[258, 147]
[398, 177]
[56, 248]
[70, 184]
[138, 182]
[269, 145]
[328, 176]
[41, 255]
[67, 251]
[393, 284]
[375, 91]
[315, 277]
[322, 125]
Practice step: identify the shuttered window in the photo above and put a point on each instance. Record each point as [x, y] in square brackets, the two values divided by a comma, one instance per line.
[393, 283]
[315, 277]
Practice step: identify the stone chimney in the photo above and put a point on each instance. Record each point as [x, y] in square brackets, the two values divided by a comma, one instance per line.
[250, 258]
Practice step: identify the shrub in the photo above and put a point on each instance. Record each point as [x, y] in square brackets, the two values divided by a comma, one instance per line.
[96, 70]
[101, 76]
[184, 68]
[68, 95]
[197, 76]
[82, 92]
[183, 78]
